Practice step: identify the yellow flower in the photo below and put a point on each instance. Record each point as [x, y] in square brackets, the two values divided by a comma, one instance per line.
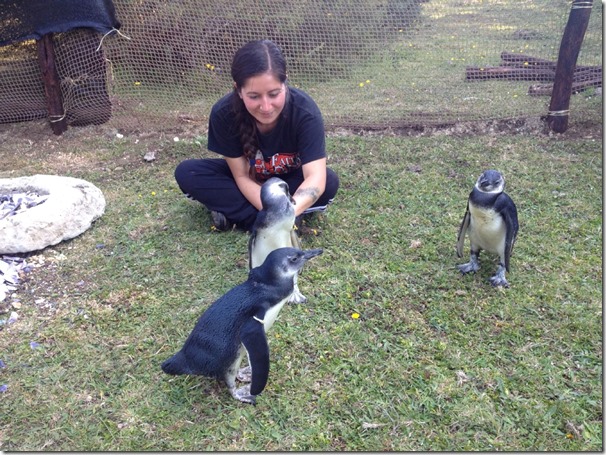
[137, 83]
[368, 81]
[153, 193]
[361, 84]
[355, 315]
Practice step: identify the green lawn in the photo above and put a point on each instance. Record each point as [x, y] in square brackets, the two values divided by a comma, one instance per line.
[435, 361]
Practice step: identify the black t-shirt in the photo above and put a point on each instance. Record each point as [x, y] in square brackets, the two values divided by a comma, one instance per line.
[297, 139]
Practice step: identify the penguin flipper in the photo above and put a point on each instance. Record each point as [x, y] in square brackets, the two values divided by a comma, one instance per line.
[252, 336]
[251, 244]
[511, 223]
[462, 232]
[294, 239]
[176, 365]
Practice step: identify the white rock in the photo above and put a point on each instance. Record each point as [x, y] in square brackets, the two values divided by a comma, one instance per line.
[72, 206]
[13, 318]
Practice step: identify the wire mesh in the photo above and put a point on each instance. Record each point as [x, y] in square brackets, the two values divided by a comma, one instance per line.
[368, 64]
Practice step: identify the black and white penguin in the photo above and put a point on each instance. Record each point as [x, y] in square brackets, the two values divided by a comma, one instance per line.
[491, 220]
[236, 324]
[274, 228]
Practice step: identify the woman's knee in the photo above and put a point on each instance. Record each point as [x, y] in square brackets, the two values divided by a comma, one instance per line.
[191, 173]
[332, 184]
[184, 172]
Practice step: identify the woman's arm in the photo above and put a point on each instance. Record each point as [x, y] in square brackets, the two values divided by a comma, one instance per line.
[314, 184]
[251, 190]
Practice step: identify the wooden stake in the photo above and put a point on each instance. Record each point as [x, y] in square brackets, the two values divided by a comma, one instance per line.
[557, 117]
[52, 84]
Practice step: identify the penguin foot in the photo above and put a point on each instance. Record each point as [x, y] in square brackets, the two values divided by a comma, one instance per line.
[244, 374]
[297, 297]
[243, 394]
[499, 280]
[471, 266]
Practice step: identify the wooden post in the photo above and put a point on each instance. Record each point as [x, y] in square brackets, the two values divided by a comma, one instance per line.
[557, 117]
[52, 84]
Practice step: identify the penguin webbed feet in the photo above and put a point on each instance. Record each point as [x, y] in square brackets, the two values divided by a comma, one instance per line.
[243, 394]
[499, 280]
[244, 374]
[470, 267]
[297, 297]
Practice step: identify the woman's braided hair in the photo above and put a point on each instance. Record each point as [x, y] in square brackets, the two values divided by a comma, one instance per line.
[252, 59]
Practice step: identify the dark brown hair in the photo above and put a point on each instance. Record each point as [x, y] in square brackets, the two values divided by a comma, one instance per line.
[252, 59]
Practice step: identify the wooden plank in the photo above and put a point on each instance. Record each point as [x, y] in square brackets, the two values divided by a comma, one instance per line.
[557, 117]
[547, 89]
[513, 59]
[508, 72]
[52, 84]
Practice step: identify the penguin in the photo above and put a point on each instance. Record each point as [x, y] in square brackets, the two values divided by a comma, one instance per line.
[274, 228]
[491, 219]
[236, 324]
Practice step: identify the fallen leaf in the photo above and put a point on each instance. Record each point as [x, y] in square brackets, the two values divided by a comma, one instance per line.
[367, 425]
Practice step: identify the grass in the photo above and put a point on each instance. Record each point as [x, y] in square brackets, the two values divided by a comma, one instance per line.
[435, 361]
[416, 78]
[421, 76]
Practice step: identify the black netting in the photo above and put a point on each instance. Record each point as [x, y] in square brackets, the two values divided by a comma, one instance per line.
[367, 63]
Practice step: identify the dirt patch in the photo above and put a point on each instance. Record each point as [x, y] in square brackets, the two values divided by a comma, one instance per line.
[528, 126]
[31, 147]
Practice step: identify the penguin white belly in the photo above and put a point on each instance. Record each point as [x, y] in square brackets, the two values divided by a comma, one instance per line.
[272, 314]
[487, 230]
[269, 240]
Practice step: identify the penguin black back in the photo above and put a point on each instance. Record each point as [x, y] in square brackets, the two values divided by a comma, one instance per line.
[236, 323]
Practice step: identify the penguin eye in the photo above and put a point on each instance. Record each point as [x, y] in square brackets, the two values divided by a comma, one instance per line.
[294, 259]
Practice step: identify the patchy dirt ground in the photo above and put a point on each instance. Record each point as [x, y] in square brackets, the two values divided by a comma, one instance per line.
[33, 145]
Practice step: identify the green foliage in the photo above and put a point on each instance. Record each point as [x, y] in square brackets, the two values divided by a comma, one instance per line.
[394, 351]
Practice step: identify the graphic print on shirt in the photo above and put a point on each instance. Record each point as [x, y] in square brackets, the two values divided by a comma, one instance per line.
[280, 163]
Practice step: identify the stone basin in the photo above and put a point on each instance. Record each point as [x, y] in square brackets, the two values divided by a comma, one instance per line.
[70, 209]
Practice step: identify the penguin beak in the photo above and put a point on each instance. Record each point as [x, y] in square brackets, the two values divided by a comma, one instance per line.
[308, 254]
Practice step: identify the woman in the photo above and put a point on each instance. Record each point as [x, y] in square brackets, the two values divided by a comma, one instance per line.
[263, 128]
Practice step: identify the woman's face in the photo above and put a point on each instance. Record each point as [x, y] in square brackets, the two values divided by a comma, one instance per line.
[264, 97]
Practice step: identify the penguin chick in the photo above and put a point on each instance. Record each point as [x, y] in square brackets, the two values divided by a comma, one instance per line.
[491, 220]
[274, 228]
[236, 324]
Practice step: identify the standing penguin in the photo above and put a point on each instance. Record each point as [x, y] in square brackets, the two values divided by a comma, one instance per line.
[274, 227]
[236, 324]
[492, 222]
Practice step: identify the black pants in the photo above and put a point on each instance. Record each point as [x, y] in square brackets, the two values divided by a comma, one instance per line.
[211, 182]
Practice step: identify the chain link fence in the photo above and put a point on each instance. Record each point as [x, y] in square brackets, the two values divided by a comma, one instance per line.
[368, 64]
